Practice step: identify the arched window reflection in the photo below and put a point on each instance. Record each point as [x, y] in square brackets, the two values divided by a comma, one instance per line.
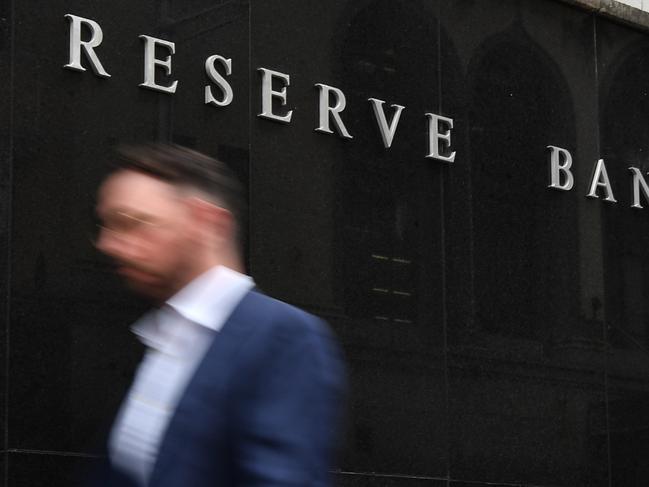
[389, 239]
[624, 125]
[525, 239]
[625, 143]
[390, 212]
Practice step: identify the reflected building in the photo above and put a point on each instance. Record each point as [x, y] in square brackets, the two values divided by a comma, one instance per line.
[496, 330]
[623, 92]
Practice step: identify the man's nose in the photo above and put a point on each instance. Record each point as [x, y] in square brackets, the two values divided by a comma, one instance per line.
[114, 245]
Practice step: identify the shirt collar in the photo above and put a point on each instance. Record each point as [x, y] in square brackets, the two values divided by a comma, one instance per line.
[210, 298]
[207, 301]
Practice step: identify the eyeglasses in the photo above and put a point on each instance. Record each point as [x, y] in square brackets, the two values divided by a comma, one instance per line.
[124, 225]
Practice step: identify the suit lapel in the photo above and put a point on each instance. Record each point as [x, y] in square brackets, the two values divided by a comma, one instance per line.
[214, 368]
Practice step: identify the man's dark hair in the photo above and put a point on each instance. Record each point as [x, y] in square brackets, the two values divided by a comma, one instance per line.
[185, 167]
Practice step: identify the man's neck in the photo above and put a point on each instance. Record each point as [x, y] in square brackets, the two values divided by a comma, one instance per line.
[205, 265]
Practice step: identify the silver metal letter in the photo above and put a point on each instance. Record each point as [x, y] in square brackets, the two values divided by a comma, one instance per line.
[434, 136]
[560, 164]
[387, 132]
[600, 179]
[76, 45]
[267, 95]
[216, 77]
[326, 110]
[638, 182]
[150, 63]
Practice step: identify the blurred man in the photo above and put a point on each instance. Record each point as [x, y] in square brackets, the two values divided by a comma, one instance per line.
[235, 388]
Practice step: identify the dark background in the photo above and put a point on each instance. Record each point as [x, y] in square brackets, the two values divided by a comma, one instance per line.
[496, 331]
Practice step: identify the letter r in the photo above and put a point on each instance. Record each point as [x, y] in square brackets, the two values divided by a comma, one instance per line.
[88, 47]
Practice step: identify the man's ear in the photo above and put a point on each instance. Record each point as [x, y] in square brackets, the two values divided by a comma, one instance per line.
[214, 219]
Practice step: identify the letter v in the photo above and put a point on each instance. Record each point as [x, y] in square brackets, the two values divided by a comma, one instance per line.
[387, 132]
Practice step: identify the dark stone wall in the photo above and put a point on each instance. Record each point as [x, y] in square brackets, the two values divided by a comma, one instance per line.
[496, 330]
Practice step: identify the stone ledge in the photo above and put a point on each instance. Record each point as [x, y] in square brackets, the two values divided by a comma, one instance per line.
[615, 10]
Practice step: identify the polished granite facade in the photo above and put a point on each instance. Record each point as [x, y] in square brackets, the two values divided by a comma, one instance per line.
[496, 330]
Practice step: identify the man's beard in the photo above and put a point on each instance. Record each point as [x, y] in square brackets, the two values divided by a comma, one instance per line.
[147, 282]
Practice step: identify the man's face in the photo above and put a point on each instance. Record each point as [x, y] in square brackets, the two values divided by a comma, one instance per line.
[145, 229]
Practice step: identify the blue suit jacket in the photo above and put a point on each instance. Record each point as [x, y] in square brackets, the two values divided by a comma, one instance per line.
[263, 408]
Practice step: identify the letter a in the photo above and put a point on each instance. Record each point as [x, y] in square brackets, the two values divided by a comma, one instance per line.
[600, 179]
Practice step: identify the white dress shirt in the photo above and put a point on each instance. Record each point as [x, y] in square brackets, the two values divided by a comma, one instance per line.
[177, 337]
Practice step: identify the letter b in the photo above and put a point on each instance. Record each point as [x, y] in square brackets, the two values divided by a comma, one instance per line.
[560, 164]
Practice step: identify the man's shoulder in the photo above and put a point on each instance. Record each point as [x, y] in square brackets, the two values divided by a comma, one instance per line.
[276, 312]
[281, 333]
[269, 318]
